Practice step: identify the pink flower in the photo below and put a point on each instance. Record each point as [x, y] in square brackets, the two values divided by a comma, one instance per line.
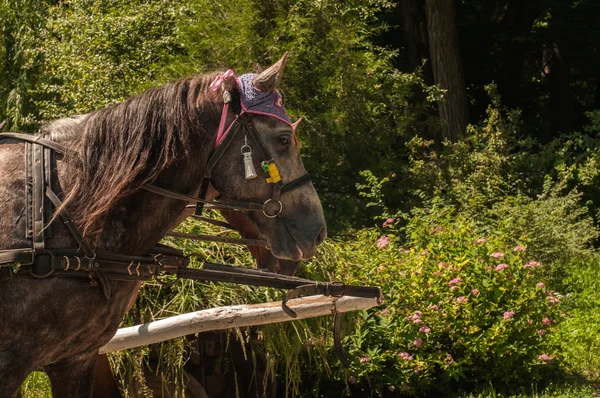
[387, 222]
[404, 388]
[418, 342]
[425, 252]
[351, 380]
[455, 281]
[500, 267]
[383, 242]
[519, 248]
[480, 240]
[475, 292]
[497, 255]
[532, 264]
[540, 285]
[546, 321]
[415, 318]
[405, 356]
[424, 329]
[391, 388]
[462, 299]
[508, 314]
[365, 359]
[541, 332]
[553, 299]
[545, 358]
[385, 312]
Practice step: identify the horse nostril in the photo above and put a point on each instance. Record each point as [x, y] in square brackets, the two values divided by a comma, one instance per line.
[322, 235]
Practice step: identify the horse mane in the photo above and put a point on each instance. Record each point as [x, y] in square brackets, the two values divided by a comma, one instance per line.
[124, 146]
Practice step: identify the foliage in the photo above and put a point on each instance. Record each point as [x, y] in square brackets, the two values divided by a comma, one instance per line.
[460, 309]
[504, 186]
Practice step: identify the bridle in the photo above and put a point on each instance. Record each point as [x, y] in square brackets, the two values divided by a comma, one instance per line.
[242, 123]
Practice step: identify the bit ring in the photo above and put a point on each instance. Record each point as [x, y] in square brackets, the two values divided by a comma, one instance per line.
[277, 213]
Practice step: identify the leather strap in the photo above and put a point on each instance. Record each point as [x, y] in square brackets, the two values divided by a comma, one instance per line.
[290, 186]
[249, 206]
[222, 239]
[36, 139]
[37, 203]
[21, 256]
[48, 181]
[70, 224]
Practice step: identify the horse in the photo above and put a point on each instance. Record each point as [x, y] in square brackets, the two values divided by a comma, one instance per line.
[164, 137]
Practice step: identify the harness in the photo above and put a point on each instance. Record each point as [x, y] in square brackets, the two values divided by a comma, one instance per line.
[162, 262]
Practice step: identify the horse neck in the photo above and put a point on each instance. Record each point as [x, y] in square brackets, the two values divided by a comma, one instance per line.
[144, 218]
[139, 221]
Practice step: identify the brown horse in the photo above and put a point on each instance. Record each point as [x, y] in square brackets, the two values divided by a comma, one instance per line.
[164, 137]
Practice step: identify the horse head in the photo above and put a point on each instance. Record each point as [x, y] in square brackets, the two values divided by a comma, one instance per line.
[295, 225]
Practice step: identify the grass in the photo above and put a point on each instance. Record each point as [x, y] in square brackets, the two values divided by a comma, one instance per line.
[37, 385]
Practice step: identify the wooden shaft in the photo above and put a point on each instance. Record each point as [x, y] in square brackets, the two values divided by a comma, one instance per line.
[230, 317]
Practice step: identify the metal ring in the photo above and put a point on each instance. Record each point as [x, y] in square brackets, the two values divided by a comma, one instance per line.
[246, 146]
[36, 276]
[278, 212]
[68, 263]
[78, 263]
[137, 269]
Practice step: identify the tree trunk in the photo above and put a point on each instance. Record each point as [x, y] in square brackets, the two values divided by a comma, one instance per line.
[447, 67]
[414, 27]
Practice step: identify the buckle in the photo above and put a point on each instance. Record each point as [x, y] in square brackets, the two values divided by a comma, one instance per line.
[42, 266]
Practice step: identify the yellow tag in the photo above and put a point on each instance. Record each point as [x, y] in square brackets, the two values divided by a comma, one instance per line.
[273, 174]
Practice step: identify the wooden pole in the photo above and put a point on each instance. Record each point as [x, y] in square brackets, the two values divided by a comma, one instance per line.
[230, 317]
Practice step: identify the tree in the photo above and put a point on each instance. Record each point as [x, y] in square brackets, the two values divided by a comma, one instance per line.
[447, 66]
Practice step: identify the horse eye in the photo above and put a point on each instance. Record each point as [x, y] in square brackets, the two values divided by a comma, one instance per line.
[283, 139]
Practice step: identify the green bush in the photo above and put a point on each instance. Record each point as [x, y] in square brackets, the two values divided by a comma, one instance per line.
[460, 309]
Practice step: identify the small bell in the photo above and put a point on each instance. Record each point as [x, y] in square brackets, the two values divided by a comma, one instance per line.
[248, 163]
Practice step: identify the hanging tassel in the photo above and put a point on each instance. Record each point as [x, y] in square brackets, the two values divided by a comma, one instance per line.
[248, 163]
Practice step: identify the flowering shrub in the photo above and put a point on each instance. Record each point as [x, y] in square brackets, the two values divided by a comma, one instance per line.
[459, 308]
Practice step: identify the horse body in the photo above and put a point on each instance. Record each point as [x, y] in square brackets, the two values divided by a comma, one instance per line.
[165, 137]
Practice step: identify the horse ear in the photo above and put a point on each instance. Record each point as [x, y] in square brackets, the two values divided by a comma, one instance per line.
[268, 80]
[296, 124]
